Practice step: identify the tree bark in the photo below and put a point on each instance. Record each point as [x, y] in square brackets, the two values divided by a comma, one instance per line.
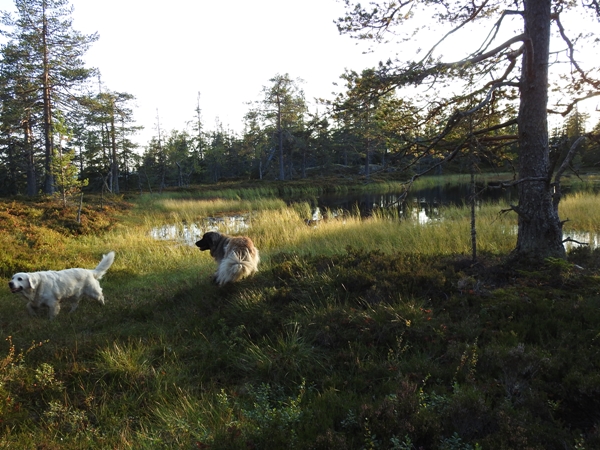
[113, 158]
[280, 143]
[47, 100]
[540, 229]
[30, 161]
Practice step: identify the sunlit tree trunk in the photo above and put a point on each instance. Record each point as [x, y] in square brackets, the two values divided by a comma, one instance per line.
[30, 162]
[280, 141]
[113, 159]
[47, 100]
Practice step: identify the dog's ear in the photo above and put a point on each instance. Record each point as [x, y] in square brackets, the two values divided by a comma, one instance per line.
[214, 238]
[33, 280]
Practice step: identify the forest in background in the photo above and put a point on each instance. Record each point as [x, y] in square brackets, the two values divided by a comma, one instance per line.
[62, 130]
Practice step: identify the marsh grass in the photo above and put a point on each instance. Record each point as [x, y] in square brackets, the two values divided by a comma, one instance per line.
[355, 333]
[582, 212]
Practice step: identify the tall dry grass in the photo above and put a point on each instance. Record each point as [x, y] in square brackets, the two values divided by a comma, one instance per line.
[582, 212]
[276, 227]
[285, 229]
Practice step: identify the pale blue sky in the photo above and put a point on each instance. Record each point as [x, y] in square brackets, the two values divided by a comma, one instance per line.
[164, 53]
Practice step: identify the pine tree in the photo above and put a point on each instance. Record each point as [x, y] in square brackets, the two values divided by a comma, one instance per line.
[490, 76]
[53, 52]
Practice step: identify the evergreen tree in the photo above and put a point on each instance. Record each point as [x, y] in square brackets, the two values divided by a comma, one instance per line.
[52, 51]
[63, 167]
[491, 76]
[18, 114]
[284, 106]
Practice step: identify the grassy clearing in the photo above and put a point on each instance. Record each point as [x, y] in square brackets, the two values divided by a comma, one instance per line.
[355, 334]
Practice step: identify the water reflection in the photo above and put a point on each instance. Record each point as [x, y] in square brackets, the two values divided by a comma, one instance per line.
[422, 206]
[188, 234]
[417, 203]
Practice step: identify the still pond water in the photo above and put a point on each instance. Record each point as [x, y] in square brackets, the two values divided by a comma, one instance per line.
[422, 205]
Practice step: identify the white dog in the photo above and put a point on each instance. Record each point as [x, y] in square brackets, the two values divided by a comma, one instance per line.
[50, 288]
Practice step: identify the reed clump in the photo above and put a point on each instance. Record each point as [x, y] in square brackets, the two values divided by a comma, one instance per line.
[581, 211]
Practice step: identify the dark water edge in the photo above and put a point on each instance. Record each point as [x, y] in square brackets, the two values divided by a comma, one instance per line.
[429, 199]
[423, 205]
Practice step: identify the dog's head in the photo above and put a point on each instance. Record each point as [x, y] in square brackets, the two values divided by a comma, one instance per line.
[209, 241]
[23, 282]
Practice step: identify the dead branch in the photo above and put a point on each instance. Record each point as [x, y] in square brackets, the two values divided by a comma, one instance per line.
[571, 54]
[454, 30]
[483, 56]
[571, 106]
[570, 155]
[575, 241]
[514, 208]
[506, 137]
[503, 184]
[496, 127]
[556, 196]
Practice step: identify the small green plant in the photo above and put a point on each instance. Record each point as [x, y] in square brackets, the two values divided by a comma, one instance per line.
[455, 442]
[65, 419]
[404, 444]
[272, 418]
[23, 387]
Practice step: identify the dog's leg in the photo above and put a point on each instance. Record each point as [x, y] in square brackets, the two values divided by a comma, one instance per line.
[74, 305]
[53, 309]
[94, 291]
[33, 309]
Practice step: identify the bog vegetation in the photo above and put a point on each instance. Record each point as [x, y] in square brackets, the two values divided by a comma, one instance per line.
[355, 334]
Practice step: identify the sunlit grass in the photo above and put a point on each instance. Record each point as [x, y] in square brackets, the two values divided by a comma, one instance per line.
[582, 212]
[276, 227]
[358, 308]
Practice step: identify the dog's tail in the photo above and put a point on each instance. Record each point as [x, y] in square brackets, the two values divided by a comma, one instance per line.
[235, 266]
[104, 265]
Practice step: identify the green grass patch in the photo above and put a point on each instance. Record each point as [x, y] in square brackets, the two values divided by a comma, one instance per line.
[355, 333]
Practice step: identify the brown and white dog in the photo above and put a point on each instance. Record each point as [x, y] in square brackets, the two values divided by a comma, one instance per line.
[50, 288]
[236, 256]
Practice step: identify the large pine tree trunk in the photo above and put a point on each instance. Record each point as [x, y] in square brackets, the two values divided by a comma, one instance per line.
[113, 157]
[540, 229]
[280, 137]
[30, 162]
[47, 99]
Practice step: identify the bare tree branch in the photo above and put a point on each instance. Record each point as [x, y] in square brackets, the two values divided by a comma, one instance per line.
[494, 31]
[465, 62]
[496, 127]
[565, 164]
[474, 14]
[516, 209]
[569, 239]
[595, 84]
[571, 106]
